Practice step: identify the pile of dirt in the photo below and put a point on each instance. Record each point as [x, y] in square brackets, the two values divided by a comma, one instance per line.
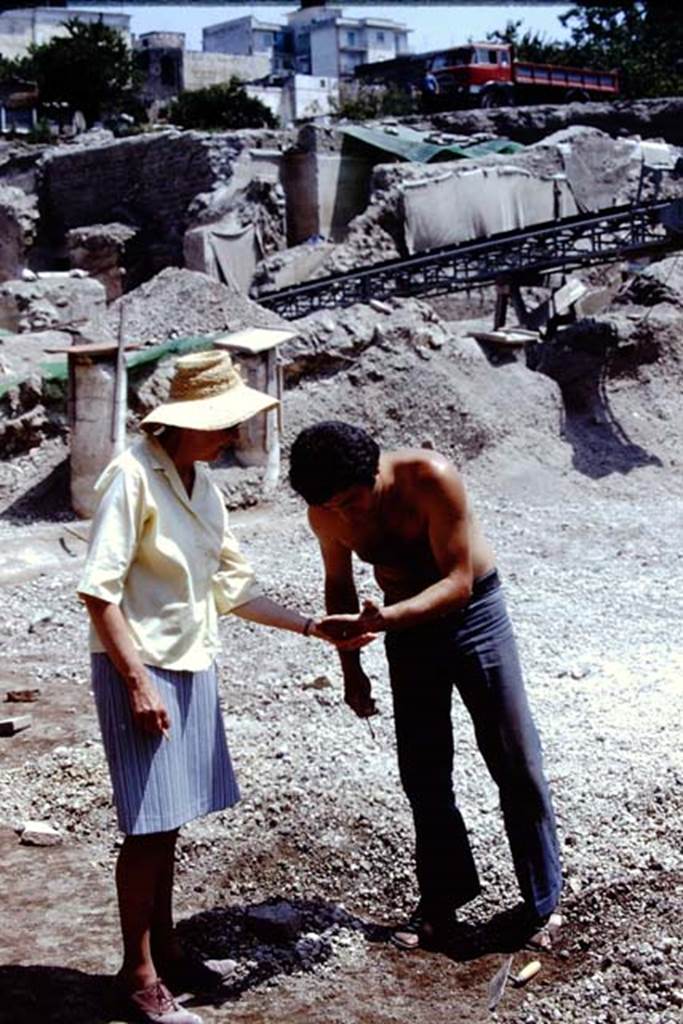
[405, 373]
[655, 118]
[181, 303]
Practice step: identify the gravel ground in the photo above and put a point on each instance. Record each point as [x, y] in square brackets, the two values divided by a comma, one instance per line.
[581, 495]
[580, 491]
[594, 585]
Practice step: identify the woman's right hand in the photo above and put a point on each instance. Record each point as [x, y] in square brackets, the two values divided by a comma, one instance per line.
[148, 710]
[149, 713]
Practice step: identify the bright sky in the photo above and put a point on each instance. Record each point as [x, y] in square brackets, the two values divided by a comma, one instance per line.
[434, 25]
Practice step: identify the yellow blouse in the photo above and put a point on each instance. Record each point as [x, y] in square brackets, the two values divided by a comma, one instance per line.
[167, 559]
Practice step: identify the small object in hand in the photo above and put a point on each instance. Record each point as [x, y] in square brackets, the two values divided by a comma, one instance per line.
[166, 734]
[527, 972]
[10, 726]
[22, 696]
[372, 731]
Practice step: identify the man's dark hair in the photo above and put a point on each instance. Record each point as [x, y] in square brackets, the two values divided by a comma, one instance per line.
[329, 457]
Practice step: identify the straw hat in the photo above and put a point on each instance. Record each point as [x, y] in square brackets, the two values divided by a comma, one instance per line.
[208, 393]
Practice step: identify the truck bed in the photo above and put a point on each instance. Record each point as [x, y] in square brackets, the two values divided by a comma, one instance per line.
[552, 75]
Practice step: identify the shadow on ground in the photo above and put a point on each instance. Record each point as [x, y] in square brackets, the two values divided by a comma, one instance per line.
[50, 497]
[53, 995]
[600, 443]
[296, 939]
[257, 951]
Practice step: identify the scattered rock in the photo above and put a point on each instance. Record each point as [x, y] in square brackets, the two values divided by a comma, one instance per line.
[10, 726]
[22, 696]
[40, 833]
[274, 922]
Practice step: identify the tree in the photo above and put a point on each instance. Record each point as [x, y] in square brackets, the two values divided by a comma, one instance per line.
[360, 102]
[530, 45]
[643, 40]
[91, 69]
[224, 106]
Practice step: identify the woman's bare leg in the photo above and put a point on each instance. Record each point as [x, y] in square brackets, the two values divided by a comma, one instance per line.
[144, 877]
[164, 944]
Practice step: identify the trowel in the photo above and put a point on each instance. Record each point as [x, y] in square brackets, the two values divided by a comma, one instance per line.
[498, 982]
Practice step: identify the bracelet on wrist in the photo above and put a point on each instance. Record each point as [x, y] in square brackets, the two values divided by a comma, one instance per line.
[308, 626]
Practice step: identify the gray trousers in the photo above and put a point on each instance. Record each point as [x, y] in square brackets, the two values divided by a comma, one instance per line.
[474, 651]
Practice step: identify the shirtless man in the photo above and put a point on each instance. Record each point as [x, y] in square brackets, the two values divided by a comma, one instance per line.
[406, 513]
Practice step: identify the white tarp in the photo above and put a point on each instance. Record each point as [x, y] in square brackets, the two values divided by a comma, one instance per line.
[226, 251]
[478, 202]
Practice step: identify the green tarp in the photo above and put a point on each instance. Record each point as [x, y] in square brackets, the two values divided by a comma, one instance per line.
[421, 147]
[54, 371]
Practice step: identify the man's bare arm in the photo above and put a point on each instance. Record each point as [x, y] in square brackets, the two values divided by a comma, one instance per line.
[341, 598]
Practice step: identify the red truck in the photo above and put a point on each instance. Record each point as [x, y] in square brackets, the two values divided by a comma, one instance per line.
[488, 75]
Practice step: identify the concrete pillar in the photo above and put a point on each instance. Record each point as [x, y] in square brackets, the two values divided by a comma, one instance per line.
[97, 417]
[255, 351]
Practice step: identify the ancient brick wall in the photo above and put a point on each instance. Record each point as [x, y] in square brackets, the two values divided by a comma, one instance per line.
[146, 182]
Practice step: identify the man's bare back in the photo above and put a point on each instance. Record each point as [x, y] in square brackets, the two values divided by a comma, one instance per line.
[396, 527]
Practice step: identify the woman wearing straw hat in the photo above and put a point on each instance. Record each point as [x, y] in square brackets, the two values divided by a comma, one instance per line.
[162, 564]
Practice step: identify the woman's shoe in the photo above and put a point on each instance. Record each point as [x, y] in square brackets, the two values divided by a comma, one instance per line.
[155, 1005]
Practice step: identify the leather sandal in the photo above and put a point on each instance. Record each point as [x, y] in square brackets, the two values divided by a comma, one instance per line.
[156, 1005]
[543, 940]
[421, 932]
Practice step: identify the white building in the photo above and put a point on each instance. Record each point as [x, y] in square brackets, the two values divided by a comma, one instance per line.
[317, 41]
[19, 28]
[245, 36]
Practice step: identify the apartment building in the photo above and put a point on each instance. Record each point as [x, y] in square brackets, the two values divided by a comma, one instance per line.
[315, 41]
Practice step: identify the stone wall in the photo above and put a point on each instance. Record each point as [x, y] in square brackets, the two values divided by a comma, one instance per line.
[100, 250]
[203, 69]
[146, 182]
[648, 118]
[50, 302]
[18, 217]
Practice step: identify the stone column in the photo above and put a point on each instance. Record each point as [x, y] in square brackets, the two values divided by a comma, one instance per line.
[97, 417]
[255, 350]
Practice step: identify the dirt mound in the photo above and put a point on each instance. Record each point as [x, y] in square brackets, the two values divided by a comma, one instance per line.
[418, 380]
[660, 282]
[180, 303]
[648, 118]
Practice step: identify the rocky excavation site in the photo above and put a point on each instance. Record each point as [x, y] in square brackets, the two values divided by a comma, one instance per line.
[569, 442]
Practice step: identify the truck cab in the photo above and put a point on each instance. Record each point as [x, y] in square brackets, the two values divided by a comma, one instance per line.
[465, 72]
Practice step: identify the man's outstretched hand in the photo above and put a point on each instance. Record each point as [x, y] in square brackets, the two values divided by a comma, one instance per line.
[346, 632]
[351, 631]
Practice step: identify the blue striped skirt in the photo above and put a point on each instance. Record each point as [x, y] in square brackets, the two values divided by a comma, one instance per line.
[161, 784]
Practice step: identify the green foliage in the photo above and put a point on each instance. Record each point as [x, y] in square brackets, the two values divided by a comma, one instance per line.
[90, 68]
[41, 134]
[224, 106]
[530, 45]
[643, 41]
[366, 102]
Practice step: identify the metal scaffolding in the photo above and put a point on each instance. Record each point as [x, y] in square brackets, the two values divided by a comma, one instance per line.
[620, 232]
